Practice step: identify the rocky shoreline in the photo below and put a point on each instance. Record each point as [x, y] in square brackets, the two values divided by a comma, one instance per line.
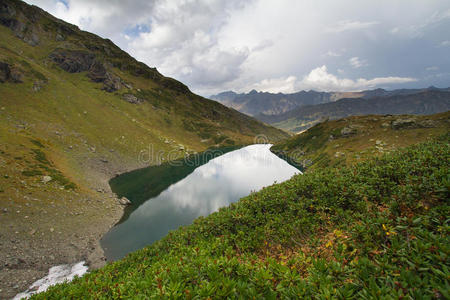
[31, 241]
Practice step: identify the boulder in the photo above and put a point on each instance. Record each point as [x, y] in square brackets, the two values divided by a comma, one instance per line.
[124, 201]
[348, 131]
[428, 123]
[112, 83]
[46, 179]
[97, 72]
[37, 85]
[5, 72]
[404, 123]
[131, 99]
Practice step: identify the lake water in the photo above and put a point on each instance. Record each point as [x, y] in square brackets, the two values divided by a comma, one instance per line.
[169, 196]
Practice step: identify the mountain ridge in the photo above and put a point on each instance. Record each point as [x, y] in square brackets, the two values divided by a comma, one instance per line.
[423, 102]
[264, 103]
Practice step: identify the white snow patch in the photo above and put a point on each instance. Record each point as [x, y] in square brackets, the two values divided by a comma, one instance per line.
[55, 275]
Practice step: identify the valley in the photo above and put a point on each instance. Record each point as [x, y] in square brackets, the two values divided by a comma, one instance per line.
[112, 171]
[299, 111]
[75, 110]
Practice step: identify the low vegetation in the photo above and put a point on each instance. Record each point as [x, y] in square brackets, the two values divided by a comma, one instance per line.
[354, 139]
[377, 229]
[76, 108]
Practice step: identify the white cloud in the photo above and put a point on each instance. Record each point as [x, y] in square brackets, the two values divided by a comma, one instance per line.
[216, 45]
[183, 42]
[332, 54]
[320, 79]
[277, 85]
[346, 25]
[356, 62]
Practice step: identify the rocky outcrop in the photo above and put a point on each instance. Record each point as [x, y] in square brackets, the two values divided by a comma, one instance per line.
[73, 61]
[5, 72]
[405, 123]
[124, 201]
[410, 123]
[97, 71]
[10, 73]
[132, 99]
[112, 82]
[10, 18]
[348, 131]
[76, 61]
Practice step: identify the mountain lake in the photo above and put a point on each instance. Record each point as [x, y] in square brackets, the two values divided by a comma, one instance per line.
[170, 195]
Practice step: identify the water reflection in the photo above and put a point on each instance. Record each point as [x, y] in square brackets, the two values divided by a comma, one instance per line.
[218, 183]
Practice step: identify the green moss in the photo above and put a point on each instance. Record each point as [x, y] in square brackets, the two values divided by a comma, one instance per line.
[32, 172]
[37, 143]
[41, 157]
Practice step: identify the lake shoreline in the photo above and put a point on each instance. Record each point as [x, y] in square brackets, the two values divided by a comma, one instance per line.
[54, 239]
[165, 197]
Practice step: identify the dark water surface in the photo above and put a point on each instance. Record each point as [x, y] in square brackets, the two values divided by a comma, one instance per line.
[169, 196]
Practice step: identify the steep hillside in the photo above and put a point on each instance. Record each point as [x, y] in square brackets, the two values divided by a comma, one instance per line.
[353, 139]
[264, 105]
[376, 230]
[425, 102]
[75, 110]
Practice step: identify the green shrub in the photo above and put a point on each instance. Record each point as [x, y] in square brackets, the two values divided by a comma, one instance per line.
[33, 172]
[379, 229]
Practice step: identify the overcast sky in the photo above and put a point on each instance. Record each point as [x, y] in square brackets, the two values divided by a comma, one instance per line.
[276, 45]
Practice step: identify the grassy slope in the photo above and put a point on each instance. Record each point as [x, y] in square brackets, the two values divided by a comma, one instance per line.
[86, 135]
[324, 145]
[378, 229]
[82, 113]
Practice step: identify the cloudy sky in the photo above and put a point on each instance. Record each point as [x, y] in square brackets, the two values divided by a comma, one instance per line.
[276, 45]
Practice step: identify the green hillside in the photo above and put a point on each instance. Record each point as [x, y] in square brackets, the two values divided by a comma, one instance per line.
[354, 139]
[76, 108]
[375, 230]
[397, 102]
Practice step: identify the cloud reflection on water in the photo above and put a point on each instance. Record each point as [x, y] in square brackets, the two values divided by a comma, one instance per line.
[216, 184]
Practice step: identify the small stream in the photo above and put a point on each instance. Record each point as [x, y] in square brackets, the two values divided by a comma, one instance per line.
[168, 196]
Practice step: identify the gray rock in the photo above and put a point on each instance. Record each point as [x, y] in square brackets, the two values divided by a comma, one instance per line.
[348, 131]
[59, 37]
[130, 98]
[46, 179]
[124, 201]
[428, 123]
[10, 73]
[38, 85]
[404, 123]
[73, 61]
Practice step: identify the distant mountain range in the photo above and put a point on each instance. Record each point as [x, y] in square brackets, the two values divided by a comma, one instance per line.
[299, 111]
